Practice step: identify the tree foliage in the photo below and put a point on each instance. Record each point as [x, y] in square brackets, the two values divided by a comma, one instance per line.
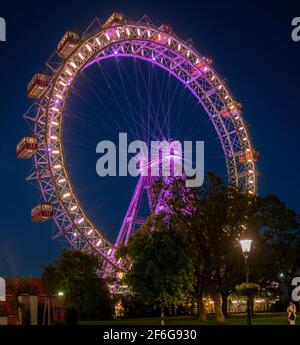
[213, 219]
[160, 268]
[77, 275]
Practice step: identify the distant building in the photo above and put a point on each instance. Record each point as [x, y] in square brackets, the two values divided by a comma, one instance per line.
[27, 303]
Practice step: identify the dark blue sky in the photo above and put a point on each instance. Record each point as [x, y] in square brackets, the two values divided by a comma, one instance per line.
[251, 48]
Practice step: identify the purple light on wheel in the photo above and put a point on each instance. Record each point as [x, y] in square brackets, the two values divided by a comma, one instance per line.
[146, 48]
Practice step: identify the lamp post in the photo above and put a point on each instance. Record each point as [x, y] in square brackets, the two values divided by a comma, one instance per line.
[246, 247]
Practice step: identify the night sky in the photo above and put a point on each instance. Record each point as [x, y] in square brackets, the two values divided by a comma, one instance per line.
[252, 49]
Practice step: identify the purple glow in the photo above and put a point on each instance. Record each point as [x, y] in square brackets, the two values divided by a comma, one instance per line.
[130, 219]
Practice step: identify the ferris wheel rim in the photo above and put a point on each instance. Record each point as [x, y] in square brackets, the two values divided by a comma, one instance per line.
[88, 43]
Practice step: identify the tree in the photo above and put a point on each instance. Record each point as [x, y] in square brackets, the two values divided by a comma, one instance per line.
[215, 217]
[77, 274]
[160, 267]
[275, 230]
[217, 223]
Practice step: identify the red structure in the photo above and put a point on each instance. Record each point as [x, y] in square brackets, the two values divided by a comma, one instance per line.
[248, 156]
[42, 212]
[115, 19]
[202, 65]
[18, 308]
[27, 147]
[38, 85]
[68, 43]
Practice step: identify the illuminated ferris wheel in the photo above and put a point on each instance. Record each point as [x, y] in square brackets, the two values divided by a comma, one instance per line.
[51, 90]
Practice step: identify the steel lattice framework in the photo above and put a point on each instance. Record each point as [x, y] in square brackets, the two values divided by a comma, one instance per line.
[144, 41]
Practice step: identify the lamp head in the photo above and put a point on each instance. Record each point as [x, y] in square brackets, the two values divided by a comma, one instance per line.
[246, 246]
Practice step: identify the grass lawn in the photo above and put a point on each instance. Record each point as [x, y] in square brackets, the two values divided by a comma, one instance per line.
[232, 319]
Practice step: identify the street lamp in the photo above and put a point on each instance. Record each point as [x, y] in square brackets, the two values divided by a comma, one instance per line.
[246, 247]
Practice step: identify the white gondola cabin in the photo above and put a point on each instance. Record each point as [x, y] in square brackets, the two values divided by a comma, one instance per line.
[38, 85]
[69, 42]
[27, 147]
[42, 212]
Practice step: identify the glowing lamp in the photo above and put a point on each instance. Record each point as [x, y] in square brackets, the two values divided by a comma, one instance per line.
[246, 246]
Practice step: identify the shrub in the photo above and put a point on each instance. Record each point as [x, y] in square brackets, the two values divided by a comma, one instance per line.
[247, 289]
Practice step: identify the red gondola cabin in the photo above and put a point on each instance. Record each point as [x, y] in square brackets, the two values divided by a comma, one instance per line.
[27, 147]
[233, 108]
[161, 38]
[68, 43]
[248, 156]
[38, 85]
[166, 28]
[202, 64]
[42, 212]
[115, 19]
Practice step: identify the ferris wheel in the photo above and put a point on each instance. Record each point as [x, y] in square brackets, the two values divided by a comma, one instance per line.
[50, 92]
